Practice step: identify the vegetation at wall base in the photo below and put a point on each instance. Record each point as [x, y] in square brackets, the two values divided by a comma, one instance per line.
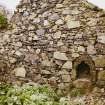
[30, 95]
[3, 21]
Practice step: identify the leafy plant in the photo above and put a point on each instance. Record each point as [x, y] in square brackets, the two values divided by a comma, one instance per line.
[29, 95]
[3, 22]
[40, 95]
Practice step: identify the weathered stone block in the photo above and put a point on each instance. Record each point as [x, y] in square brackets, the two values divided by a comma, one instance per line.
[67, 65]
[100, 83]
[66, 78]
[20, 72]
[100, 61]
[101, 75]
[60, 56]
[73, 24]
[82, 83]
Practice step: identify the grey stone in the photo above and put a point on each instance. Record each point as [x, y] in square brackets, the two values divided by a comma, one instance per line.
[91, 49]
[46, 23]
[81, 49]
[60, 43]
[59, 62]
[82, 83]
[66, 78]
[25, 1]
[36, 20]
[20, 72]
[57, 35]
[75, 12]
[40, 32]
[54, 17]
[67, 65]
[59, 22]
[75, 55]
[35, 37]
[12, 60]
[46, 63]
[101, 38]
[38, 51]
[66, 11]
[61, 86]
[19, 44]
[26, 13]
[59, 6]
[64, 72]
[52, 81]
[101, 75]
[45, 72]
[31, 27]
[92, 22]
[60, 56]
[18, 53]
[99, 61]
[73, 24]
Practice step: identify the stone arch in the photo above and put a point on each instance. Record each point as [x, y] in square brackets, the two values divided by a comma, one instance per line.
[82, 70]
[83, 67]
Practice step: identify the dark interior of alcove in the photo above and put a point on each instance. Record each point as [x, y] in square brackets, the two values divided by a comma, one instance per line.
[82, 70]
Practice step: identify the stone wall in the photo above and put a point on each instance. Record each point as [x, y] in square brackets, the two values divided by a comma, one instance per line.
[48, 36]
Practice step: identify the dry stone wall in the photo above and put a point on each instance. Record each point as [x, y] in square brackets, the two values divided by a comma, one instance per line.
[48, 36]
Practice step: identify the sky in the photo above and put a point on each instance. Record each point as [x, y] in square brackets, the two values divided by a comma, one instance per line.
[11, 4]
[99, 3]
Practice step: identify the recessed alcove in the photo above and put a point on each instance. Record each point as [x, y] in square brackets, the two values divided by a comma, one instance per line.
[83, 67]
[82, 70]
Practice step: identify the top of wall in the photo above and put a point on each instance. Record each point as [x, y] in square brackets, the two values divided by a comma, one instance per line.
[41, 6]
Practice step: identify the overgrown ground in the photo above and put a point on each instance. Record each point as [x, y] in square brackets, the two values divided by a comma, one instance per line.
[30, 95]
[41, 95]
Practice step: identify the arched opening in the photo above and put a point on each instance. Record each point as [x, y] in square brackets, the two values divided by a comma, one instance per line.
[84, 67]
[83, 70]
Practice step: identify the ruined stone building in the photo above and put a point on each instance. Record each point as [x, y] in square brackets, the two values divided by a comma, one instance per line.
[55, 42]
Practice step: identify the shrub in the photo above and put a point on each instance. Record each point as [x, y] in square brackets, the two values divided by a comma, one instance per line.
[3, 22]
